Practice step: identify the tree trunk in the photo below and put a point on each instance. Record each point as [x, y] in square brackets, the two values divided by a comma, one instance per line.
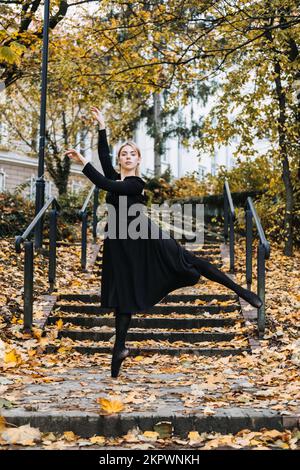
[157, 134]
[286, 174]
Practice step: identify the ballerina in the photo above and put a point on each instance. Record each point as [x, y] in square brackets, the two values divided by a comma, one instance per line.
[138, 273]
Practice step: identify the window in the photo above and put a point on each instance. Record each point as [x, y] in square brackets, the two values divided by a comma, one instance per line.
[201, 172]
[76, 186]
[82, 141]
[164, 157]
[3, 133]
[2, 180]
[150, 173]
[213, 165]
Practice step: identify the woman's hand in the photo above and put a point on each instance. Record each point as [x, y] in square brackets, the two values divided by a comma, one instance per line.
[98, 116]
[75, 156]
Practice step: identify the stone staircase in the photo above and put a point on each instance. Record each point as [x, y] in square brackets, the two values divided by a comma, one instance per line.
[188, 321]
[180, 392]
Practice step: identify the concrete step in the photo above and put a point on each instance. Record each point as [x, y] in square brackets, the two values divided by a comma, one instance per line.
[146, 335]
[145, 351]
[210, 251]
[90, 423]
[218, 265]
[208, 240]
[212, 259]
[62, 243]
[157, 309]
[146, 322]
[169, 298]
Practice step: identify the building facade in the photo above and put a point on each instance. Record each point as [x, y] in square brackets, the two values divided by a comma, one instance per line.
[18, 168]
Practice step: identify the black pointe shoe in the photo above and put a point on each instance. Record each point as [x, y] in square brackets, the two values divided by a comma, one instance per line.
[117, 359]
[250, 297]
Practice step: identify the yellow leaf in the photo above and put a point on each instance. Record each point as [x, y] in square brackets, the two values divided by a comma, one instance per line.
[59, 324]
[64, 349]
[2, 423]
[13, 357]
[31, 352]
[110, 406]
[69, 436]
[97, 439]
[37, 333]
[272, 434]
[24, 435]
[43, 341]
[8, 55]
[151, 435]
[194, 436]
[138, 358]
[254, 442]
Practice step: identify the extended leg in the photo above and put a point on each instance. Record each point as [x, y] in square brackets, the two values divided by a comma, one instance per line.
[211, 272]
[120, 352]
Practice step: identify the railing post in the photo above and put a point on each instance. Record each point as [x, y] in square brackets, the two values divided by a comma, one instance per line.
[95, 207]
[28, 286]
[39, 203]
[249, 228]
[225, 216]
[29, 255]
[231, 243]
[261, 288]
[52, 249]
[83, 240]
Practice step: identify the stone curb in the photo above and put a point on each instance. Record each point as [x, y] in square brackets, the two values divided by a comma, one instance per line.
[224, 421]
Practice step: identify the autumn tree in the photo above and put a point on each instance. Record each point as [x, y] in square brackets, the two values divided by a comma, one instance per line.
[67, 126]
[258, 99]
[124, 53]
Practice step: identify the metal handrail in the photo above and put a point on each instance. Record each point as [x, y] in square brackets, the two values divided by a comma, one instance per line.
[21, 238]
[83, 215]
[87, 200]
[229, 197]
[263, 253]
[261, 233]
[229, 215]
[29, 256]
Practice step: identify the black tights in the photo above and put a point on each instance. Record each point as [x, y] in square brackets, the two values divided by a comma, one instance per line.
[211, 272]
[122, 322]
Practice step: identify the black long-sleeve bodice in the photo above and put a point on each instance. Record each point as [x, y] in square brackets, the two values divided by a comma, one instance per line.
[131, 186]
[104, 156]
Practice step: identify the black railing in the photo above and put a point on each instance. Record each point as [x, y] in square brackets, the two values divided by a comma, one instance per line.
[229, 218]
[83, 215]
[263, 253]
[29, 257]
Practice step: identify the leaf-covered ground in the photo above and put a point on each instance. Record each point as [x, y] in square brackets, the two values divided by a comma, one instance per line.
[268, 379]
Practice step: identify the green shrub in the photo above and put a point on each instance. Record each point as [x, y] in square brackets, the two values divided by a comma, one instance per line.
[17, 212]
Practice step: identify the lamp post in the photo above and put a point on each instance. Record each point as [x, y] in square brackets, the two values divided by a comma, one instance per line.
[40, 182]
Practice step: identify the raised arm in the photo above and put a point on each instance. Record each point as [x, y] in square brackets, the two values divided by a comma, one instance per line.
[131, 186]
[104, 156]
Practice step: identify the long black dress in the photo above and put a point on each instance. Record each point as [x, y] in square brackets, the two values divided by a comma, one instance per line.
[136, 273]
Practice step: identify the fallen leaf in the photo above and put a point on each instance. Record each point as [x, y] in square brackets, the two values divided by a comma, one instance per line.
[24, 435]
[110, 406]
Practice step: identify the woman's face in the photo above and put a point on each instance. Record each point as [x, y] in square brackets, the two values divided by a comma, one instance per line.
[128, 157]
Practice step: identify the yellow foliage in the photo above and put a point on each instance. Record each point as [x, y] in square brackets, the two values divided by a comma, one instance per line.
[110, 406]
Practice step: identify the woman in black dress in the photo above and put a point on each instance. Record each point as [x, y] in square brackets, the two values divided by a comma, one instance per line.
[139, 272]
